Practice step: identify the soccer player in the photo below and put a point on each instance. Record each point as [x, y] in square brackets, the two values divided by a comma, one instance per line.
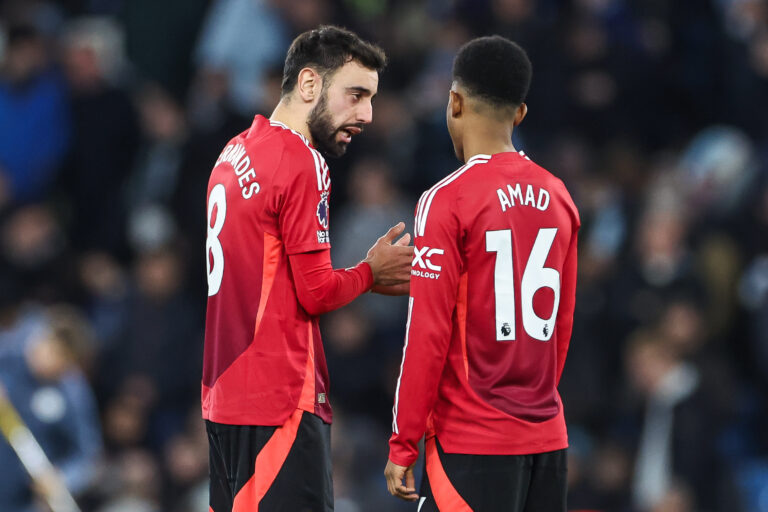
[265, 380]
[490, 311]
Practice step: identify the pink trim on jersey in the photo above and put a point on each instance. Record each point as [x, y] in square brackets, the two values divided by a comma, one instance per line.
[272, 249]
[268, 464]
[445, 494]
[307, 399]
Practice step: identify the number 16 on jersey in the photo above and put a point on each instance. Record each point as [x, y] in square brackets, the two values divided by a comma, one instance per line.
[535, 277]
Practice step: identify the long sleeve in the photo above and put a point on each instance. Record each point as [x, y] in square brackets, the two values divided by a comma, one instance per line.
[567, 305]
[320, 288]
[434, 282]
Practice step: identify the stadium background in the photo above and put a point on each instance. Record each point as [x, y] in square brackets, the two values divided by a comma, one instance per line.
[653, 112]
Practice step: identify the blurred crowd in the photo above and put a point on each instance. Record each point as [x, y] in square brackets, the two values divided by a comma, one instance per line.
[653, 112]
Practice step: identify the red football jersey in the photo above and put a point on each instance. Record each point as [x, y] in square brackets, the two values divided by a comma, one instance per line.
[267, 199]
[490, 314]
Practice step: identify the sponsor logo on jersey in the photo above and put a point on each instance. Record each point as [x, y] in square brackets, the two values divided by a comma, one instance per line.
[421, 258]
[323, 237]
[322, 210]
[427, 275]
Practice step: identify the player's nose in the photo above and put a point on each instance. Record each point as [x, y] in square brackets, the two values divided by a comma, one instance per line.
[365, 113]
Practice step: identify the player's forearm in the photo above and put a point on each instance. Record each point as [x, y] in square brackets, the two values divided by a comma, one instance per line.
[412, 408]
[320, 288]
[403, 452]
[424, 356]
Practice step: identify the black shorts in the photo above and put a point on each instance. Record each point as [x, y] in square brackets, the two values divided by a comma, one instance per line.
[455, 482]
[286, 468]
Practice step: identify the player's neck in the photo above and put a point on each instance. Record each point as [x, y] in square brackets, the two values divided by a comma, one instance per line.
[291, 117]
[485, 141]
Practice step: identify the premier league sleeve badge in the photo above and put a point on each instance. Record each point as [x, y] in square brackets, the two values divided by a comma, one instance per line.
[322, 210]
[322, 218]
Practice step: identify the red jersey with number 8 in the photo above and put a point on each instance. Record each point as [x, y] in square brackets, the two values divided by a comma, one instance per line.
[490, 313]
[267, 199]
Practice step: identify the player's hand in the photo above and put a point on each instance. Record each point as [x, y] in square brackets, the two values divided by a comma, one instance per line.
[391, 262]
[395, 475]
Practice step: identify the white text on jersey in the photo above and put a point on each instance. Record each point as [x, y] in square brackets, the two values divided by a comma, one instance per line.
[421, 258]
[235, 155]
[508, 198]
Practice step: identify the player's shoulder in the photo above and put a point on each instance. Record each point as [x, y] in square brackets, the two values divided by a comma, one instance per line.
[554, 185]
[441, 196]
[455, 180]
[300, 157]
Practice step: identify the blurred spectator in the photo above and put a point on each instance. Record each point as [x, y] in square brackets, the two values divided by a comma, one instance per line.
[160, 328]
[35, 127]
[44, 381]
[394, 137]
[160, 37]
[677, 448]
[34, 247]
[133, 484]
[105, 133]
[716, 171]
[240, 41]
[156, 174]
[356, 350]
[104, 297]
[186, 462]
[303, 15]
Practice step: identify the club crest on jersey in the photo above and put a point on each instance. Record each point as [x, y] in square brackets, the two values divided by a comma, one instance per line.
[322, 210]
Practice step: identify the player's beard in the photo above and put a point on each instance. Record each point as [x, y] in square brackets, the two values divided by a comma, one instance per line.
[323, 131]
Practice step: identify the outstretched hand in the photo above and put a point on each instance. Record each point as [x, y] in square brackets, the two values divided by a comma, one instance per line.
[391, 262]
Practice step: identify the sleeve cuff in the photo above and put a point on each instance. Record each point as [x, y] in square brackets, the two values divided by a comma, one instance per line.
[366, 273]
[401, 461]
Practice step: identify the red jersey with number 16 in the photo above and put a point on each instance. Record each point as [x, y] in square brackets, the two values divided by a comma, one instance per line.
[267, 199]
[490, 314]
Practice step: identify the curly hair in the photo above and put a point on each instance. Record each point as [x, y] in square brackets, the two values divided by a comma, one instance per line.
[494, 69]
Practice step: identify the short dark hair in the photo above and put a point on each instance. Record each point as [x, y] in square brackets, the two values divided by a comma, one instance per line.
[494, 69]
[327, 48]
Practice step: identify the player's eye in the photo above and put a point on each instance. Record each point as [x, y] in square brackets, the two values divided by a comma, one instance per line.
[356, 97]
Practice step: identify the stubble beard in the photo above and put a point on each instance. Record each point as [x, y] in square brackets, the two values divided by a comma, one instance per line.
[323, 131]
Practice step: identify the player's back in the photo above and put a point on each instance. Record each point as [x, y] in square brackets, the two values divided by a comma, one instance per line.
[264, 199]
[517, 229]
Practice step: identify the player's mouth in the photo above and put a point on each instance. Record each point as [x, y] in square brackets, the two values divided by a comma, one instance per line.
[348, 132]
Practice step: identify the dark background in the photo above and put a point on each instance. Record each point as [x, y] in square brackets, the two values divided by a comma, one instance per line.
[653, 112]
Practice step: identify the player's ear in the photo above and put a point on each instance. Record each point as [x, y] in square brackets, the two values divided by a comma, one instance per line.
[456, 103]
[520, 114]
[309, 85]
